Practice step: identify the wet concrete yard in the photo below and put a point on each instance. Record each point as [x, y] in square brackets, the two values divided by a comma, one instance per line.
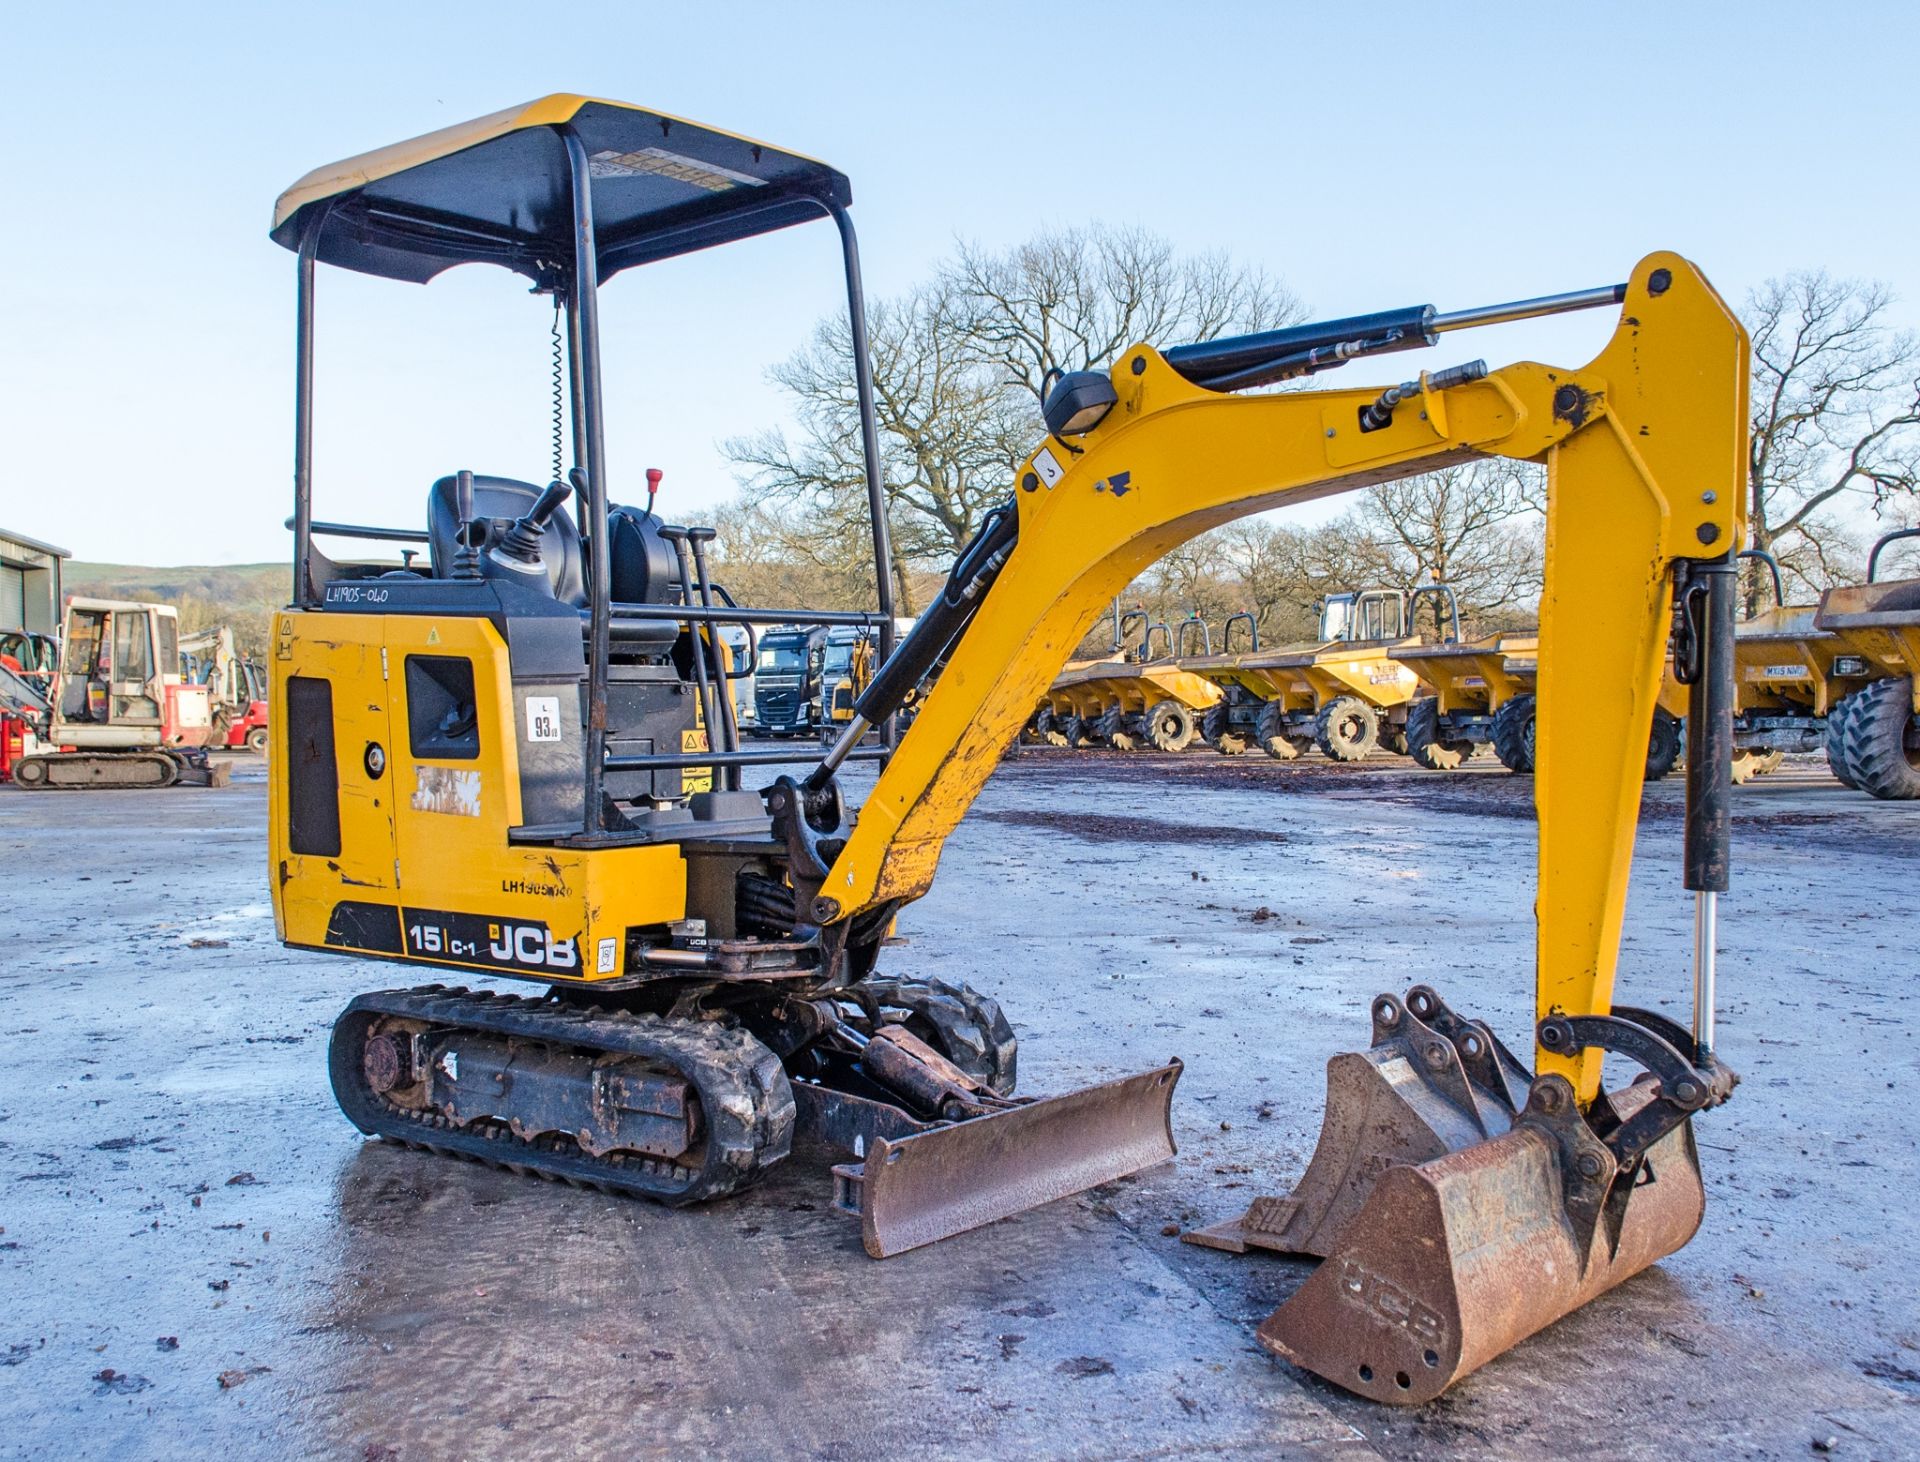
[201, 1257]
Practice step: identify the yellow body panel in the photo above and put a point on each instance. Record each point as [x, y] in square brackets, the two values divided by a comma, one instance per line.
[1645, 451]
[424, 868]
[1478, 676]
[1089, 691]
[1880, 623]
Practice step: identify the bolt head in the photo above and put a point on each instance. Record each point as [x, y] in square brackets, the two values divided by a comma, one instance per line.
[825, 908]
[1589, 1165]
[1436, 1056]
[1686, 1091]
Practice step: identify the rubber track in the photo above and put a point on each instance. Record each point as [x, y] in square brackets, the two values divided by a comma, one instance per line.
[745, 1099]
[951, 1010]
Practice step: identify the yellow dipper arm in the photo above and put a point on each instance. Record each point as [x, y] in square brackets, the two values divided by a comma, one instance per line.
[1645, 451]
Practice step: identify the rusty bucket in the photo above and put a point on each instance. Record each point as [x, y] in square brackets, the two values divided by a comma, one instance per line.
[1452, 1261]
[1461, 1204]
[1429, 1084]
[946, 1179]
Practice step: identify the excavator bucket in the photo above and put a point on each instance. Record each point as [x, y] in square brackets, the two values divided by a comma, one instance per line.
[1461, 1204]
[1429, 1084]
[1452, 1261]
[945, 1179]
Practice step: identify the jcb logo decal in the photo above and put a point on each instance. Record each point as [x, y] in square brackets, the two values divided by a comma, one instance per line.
[1391, 1303]
[530, 944]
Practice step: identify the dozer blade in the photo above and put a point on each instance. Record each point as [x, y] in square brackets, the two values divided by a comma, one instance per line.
[1452, 1261]
[1429, 1084]
[945, 1180]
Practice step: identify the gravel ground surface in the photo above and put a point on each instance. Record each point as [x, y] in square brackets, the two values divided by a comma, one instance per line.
[201, 1256]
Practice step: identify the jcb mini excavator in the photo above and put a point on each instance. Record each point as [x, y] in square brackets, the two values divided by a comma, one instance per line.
[483, 764]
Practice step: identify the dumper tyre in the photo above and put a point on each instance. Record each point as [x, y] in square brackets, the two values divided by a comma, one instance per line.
[963, 1025]
[1073, 732]
[1883, 740]
[1753, 761]
[257, 740]
[1663, 744]
[1170, 726]
[1269, 729]
[1426, 745]
[1217, 731]
[1346, 729]
[1513, 726]
[1837, 715]
[1394, 738]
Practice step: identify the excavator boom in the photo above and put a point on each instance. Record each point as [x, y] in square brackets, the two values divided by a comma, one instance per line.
[1645, 450]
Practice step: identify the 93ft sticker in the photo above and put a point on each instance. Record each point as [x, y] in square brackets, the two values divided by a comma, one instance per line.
[543, 718]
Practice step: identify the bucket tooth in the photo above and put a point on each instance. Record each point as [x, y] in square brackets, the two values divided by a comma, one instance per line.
[1429, 1084]
[1454, 1260]
[929, 1185]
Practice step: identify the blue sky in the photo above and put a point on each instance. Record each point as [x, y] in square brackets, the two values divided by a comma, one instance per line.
[1368, 156]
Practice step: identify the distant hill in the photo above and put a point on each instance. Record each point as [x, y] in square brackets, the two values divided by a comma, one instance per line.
[243, 595]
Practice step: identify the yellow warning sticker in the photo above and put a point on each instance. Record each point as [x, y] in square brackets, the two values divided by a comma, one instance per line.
[695, 779]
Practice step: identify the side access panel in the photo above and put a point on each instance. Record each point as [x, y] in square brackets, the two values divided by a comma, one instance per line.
[331, 820]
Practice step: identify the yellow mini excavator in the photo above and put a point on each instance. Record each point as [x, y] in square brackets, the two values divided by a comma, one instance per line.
[518, 758]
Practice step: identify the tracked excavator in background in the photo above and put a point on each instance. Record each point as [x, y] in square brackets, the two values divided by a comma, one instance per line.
[115, 711]
[498, 763]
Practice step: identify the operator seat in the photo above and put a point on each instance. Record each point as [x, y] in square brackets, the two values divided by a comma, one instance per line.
[497, 502]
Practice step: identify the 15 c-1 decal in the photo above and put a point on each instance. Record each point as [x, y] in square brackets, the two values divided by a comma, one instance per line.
[435, 936]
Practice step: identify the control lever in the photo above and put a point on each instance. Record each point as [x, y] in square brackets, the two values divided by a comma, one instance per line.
[521, 542]
[466, 559]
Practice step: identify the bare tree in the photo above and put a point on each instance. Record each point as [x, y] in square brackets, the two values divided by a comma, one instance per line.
[1836, 419]
[1074, 299]
[950, 434]
[1474, 527]
[957, 367]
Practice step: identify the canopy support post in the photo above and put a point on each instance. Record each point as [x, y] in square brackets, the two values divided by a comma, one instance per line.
[869, 444]
[586, 329]
[303, 595]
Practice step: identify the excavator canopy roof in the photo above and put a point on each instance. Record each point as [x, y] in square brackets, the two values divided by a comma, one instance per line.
[498, 190]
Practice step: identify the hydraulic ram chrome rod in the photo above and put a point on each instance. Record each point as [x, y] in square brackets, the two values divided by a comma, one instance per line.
[1546, 304]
